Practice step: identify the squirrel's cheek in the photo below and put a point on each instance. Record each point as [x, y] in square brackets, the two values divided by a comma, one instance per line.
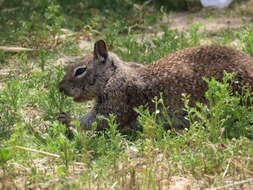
[77, 92]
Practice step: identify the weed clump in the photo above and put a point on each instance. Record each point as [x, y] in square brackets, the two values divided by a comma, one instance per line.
[228, 114]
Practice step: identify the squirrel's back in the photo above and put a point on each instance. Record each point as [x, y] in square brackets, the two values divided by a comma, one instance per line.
[184, 70]
[204, 60]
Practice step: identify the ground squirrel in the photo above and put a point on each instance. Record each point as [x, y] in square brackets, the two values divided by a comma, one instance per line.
[118, 87]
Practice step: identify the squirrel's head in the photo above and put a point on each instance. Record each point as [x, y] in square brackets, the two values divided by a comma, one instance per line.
[83, 81]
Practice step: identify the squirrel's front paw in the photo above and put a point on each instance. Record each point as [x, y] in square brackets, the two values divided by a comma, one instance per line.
[64, 118]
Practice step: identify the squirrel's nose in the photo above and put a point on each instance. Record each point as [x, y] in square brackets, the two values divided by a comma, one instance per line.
[60, 86]
[61, 89]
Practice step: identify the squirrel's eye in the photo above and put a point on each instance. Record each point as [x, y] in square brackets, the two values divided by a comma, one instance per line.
[80, 71]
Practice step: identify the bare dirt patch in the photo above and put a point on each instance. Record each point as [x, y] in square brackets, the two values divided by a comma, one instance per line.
[184, 20]
[212, 20]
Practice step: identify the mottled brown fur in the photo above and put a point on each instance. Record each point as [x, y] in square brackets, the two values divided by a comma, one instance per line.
[118, 87]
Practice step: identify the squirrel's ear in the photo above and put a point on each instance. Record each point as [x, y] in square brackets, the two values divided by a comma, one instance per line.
[100, 51]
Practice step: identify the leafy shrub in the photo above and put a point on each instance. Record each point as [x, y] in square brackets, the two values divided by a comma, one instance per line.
[54, 102]
[228, 114]
[247, 38]
[5, 155]
[10, 99]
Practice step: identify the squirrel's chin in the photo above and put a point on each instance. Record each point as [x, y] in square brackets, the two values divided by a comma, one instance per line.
[79, 99]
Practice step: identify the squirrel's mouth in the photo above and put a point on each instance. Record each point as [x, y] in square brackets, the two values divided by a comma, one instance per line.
[79, 99]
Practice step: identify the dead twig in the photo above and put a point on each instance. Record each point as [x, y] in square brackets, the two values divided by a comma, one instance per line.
[46, 154]
[15, 49]
[38, 151]
[233, 184]
[226, 170]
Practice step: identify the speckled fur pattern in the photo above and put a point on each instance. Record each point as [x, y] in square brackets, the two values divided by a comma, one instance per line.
[119, 87]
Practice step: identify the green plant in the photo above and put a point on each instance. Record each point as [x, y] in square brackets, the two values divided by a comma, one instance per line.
[10, 101]
[247, 38]
[113, 137]
[228, 113]
[194, 34]
[43, 58]
[19, 136]
[54, 17]
[153, 123]
[57, 134]
[5, 155]
[53, 101]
